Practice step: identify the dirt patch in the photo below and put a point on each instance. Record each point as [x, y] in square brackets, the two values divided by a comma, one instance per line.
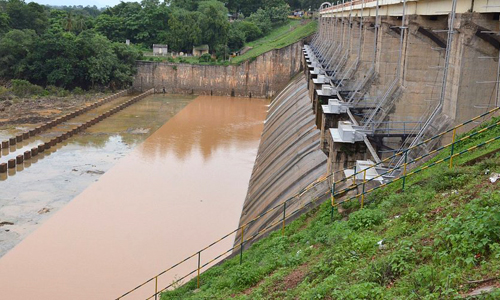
[5, 223]
[33, 111]
[290, 281]
[293, 279]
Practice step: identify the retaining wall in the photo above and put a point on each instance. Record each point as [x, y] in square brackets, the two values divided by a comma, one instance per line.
[263, 77]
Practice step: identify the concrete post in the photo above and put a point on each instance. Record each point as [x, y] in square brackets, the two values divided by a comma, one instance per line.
[11, 163]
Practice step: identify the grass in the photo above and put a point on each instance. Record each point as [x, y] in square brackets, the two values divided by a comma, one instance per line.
[280, 37]
[433, 241]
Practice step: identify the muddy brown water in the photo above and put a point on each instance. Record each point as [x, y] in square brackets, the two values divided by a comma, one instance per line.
[175, 193]
[33, 192]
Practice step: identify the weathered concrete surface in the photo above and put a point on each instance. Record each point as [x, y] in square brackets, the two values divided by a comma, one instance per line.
[263, 77]
[289, 159]
[470, 88]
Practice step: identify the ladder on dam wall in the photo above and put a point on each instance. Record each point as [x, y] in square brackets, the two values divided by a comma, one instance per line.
[358, 182]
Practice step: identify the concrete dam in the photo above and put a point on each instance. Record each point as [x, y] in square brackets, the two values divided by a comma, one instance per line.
[289, 158]
[377, 78]
[380, 77]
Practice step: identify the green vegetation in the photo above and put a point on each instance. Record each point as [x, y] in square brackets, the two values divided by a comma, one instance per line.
[60, 48]
[24, 89]
[85, 47]
[438, 239]
[280, 37]
[292, 31]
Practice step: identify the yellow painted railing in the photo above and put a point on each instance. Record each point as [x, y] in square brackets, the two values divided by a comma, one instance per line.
[334, 194]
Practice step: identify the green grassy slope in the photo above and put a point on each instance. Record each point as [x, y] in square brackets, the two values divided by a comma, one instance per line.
[438, 236]
[280, 37]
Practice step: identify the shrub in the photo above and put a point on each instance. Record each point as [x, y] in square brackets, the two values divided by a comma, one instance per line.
[4, 93]
[470, 236]
[365, 290]
[78, 91]
[365, 218]
[205, 58]
[23, 88]
[56, 91]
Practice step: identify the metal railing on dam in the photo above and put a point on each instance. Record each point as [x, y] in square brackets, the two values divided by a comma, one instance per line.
[334, 194]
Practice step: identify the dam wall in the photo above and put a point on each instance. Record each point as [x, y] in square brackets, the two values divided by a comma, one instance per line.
[422, 44]
[289, 159]
[263, 77]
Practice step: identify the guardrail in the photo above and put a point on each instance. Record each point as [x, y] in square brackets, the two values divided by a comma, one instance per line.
[333, 194]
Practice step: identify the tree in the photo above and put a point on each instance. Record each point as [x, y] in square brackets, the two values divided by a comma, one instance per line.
[250, 30]
[112, 27]
[278, 14]
[55, 61]
[213, 23]
[4, 23]
[243, 6]
[183, 30]
[26, 16]
[124, 71]
[101, 63]
[68, 22]
[14, 47]
[262, 20]
[236, 38]
[267, 4]
[189, 5]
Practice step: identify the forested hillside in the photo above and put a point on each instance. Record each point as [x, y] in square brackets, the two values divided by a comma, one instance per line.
[84, 47]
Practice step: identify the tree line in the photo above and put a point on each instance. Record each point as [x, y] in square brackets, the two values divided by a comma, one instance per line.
[75, 46]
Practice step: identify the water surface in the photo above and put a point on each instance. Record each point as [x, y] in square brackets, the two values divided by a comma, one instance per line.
[32, 193]
[177, 192]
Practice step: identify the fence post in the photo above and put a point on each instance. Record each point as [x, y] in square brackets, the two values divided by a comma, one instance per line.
[453, 147]
[199, 265]
[156, 288]
[241, 243]
[404, 169]
[354, 176]
[333, 198]
[284, 218]
[363, 194]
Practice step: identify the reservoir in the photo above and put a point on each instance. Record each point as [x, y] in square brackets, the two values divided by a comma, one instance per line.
[173, 194]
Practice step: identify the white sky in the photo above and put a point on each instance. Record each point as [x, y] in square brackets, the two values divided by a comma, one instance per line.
[98, 3]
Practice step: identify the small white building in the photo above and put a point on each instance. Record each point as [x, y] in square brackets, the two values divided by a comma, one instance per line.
[160, 50]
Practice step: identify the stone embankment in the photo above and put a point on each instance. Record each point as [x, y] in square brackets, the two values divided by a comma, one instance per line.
[27, 155]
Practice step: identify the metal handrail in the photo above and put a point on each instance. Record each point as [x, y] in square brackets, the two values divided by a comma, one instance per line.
[332, 192]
